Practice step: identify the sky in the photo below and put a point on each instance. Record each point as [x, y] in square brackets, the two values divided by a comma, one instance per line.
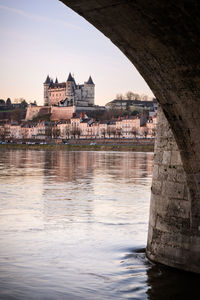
[44, 37]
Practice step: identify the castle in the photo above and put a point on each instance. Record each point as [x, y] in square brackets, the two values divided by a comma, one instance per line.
[63, 100]
[68, 93]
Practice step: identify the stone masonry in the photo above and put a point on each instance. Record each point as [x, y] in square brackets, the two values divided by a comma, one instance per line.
[170, 238]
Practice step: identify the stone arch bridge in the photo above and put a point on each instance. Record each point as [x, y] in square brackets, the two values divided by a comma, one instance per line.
[162, 39]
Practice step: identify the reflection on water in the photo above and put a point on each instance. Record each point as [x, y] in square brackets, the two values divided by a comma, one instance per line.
[73, 225]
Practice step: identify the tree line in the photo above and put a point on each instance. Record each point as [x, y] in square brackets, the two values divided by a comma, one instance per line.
[133, 96]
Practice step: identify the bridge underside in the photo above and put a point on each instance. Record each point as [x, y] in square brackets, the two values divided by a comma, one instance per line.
[161, 38]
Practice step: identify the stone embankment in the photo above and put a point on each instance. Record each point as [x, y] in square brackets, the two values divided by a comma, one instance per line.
[136, 145]
[113, 141]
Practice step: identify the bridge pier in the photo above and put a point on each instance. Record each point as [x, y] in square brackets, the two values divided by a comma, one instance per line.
[171, 238]
[162, 40]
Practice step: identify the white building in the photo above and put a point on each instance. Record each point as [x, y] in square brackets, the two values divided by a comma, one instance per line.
[69, 93]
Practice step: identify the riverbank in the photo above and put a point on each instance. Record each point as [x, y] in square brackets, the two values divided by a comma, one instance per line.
[120, 147]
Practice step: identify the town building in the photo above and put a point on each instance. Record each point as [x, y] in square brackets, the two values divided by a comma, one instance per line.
[138, 105]
[79, 126]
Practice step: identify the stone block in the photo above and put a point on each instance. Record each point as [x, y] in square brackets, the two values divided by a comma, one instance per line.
[156, 187]
[173, 189]
[172, 173]
[181, 177]
[155, 172]
[158, 156]
[166, 157]
[163, 174]
[179, 208]
[176, 158]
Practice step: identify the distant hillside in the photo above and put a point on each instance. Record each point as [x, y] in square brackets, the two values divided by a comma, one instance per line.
[17, 114]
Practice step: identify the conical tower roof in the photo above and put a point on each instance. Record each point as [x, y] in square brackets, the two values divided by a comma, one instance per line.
[47, 80]
[70, 78]
[56, 81]
[90, 81]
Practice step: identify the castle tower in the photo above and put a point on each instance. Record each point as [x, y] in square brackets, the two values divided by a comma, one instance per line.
[46, 90]
[70, 89]
[89, 87]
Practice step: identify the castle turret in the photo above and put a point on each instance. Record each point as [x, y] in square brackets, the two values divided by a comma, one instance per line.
[70, 78]
[46, 90]
[89, 87]
[90, 81]
[70, 88]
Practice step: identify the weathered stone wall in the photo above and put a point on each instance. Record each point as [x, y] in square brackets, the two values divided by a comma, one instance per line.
[36, 111]
[55, 112]
[62, 113]
[170, 238]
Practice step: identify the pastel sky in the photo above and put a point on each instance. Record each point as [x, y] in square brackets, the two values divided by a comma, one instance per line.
[43, 37]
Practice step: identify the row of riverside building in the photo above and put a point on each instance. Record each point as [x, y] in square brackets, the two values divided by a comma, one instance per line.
[80, 127]
[66, 105]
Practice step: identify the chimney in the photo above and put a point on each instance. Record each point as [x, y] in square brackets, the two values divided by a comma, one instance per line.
[83, 115]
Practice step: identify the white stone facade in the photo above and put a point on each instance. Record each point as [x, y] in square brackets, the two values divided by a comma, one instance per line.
[69, 93]
[82, 128]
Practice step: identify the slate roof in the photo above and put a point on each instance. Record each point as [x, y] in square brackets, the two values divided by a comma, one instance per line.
[47, 79]
[90, 81]
[70, 78]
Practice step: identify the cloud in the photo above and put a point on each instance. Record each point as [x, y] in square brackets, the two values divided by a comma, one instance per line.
[38, 18]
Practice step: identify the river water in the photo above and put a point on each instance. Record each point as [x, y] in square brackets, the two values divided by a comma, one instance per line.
[73, 225]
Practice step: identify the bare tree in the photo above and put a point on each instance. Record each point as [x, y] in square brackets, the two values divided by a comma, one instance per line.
[49, 131]
[103, 132]
[153, 132]
[145, 131]
[132, 96]
[2, 134]
[67, 132]
[134, 131]
[129, 95]
[78, 132]
[24, 133]
[113, 132]
[73, 132]
[119, 97]
[55, 132]
[144, 97]
[119, 132]
[109, 131]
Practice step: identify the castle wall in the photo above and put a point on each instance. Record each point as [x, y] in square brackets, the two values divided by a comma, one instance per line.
[62, 113]
[35, 111]
[56, 112]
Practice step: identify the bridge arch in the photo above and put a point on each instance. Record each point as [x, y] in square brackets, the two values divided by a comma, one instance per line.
[161, 38]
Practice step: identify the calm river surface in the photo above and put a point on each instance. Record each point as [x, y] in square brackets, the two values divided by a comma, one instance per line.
[73, 225]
